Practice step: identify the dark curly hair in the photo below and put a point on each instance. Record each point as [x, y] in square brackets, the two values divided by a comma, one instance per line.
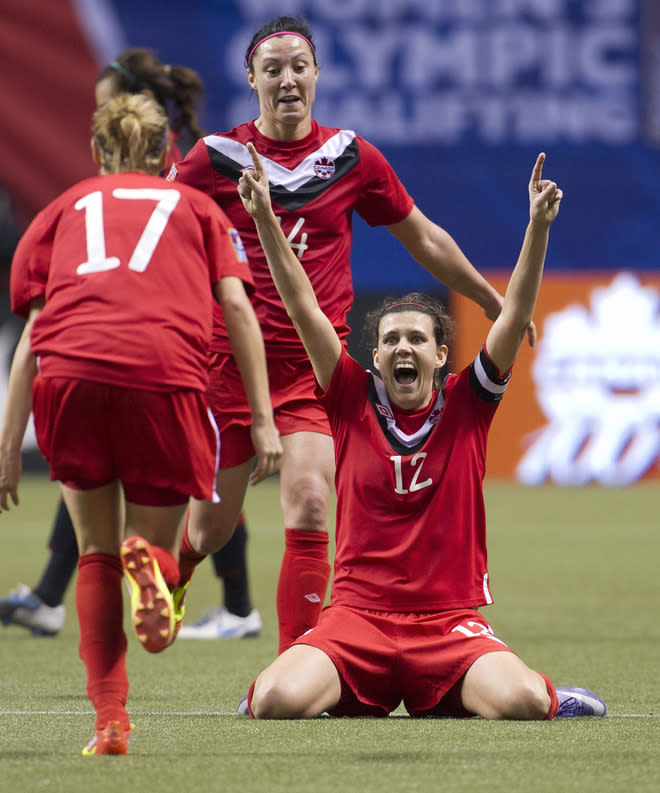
[178, 89]
[443, 324]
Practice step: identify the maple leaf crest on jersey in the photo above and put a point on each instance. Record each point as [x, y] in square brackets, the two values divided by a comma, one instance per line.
[324, 168]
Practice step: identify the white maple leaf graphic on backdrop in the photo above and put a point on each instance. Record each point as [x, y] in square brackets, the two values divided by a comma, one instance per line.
[597, 376]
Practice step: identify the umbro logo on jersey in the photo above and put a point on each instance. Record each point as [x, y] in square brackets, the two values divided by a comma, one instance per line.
[384, 411]
[313, 597]
[435, 415]
[324, 168]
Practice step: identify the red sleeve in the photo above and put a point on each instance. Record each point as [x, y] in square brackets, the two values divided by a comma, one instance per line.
[224, 248]
[383, 198]
[341, 397]
[31, 262]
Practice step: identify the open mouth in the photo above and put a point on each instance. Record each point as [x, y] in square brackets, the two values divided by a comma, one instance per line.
[289, 100]
[405, 373]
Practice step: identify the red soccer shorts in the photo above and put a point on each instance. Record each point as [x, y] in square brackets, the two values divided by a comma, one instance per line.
[92, 433]
[386, 658]
[295, 405]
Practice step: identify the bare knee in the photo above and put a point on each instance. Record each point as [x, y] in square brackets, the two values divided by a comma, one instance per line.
[211, 525]
[305, 503]
[275, 699]
[526, 699]
[499, 685]
[208, 539]
[210, 528]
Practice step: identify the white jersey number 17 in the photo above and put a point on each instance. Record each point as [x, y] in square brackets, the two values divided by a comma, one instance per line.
[97, 259]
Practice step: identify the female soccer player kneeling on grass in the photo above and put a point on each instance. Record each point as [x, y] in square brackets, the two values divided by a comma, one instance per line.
[410, 566]
[116, 278]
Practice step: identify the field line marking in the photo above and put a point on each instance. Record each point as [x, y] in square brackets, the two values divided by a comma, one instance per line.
[133, 713]
[136, 713]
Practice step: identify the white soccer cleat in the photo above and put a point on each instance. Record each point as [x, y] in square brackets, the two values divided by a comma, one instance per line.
[218, 623]
[24, 608]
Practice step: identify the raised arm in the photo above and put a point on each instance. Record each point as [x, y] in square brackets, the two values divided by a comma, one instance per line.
[17, 411]
[506, 335]
[313, 327]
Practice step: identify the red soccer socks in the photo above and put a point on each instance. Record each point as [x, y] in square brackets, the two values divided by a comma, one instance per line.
[303, 583]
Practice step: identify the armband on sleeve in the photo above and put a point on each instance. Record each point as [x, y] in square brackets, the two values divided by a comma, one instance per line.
[485, 379]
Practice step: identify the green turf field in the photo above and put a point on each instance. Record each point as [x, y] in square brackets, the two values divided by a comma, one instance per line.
[575, 577]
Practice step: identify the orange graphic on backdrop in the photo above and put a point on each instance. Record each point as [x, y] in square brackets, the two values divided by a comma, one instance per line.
[590, 411]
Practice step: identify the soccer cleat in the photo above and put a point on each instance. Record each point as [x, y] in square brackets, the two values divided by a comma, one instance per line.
[24, 608]
[178, 596]
[110, 740]
[242, 709]
[579, 702]
[152, 606]
[219, 623]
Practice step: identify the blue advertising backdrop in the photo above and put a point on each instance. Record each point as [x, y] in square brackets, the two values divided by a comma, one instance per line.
[461, 95]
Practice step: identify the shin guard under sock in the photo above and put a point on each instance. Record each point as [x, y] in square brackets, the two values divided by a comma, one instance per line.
[302, 584]
[189, 558]
[102, 646]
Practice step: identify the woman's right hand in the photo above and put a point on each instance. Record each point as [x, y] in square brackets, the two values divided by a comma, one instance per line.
[10, 473]
[253, 186]
[268, 447]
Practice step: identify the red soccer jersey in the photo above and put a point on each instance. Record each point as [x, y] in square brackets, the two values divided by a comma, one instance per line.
[411, 528]
[315, 183]
[126, 265]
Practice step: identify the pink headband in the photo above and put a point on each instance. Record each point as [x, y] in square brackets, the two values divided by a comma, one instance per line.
[416, 305]
[281, 33]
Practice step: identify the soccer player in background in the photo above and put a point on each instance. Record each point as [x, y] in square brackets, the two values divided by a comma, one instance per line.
[319, 177]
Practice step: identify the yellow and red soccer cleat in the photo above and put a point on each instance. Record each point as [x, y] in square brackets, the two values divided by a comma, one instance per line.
[153, 612]
[112, 739]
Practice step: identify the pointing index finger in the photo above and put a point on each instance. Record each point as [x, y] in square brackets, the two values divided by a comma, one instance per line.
[537, 172]
[258, 167]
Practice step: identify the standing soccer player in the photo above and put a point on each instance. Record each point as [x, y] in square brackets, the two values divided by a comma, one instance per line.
[319, 177]
[116, 278]
[179, 91]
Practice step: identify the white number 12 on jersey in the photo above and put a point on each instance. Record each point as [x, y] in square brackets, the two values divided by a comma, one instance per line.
[416, 462]
[97, 259]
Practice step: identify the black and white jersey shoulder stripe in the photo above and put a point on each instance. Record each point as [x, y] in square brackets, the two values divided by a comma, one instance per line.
[290, 188]
[485, 379]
